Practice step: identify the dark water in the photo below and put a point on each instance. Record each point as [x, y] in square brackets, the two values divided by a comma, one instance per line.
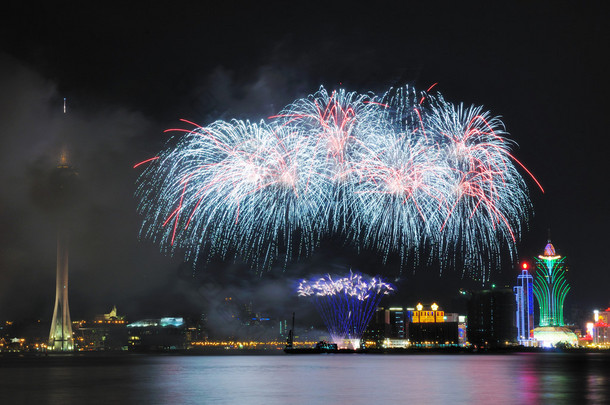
[533, 378]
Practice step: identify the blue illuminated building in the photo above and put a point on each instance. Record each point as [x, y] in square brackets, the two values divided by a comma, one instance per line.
[524, 294]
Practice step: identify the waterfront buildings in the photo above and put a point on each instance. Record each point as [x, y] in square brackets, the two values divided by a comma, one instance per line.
[399, 327]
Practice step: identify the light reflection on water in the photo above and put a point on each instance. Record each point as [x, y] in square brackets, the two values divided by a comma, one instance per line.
[547, 378]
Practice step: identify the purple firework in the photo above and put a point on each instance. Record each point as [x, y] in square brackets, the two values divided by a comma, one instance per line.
[346, 304]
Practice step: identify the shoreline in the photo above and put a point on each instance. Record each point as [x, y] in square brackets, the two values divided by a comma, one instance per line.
[39, 356]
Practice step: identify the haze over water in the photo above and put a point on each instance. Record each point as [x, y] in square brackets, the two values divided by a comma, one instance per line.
[533, 378]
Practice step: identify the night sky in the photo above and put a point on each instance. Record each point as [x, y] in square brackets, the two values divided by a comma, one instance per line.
[132, 70]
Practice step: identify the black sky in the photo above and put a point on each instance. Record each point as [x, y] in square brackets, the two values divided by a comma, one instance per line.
[132, 69]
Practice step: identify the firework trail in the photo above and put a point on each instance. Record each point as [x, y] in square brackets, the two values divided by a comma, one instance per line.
[400, 180]
[336, 125]
[233, 186]
[487, 197]
[405, 173]
[346, 304]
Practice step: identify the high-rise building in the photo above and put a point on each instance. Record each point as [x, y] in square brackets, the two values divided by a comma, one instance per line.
[550, 290]
[491, 317]
[60, 336]
[524, 294]
[550, 286]
[387, 327]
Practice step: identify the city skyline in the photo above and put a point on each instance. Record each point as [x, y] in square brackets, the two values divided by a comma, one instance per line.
[126, 81]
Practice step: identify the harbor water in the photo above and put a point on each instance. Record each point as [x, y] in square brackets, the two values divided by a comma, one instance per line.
[527, 378]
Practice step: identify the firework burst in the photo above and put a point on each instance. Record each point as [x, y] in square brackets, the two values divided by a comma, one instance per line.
[346, 304]
[234, 187]
[406, 172]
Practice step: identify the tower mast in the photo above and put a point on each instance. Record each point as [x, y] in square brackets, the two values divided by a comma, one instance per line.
[60, 336]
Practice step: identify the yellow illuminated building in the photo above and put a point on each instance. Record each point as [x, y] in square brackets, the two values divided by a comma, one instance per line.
[430, 316]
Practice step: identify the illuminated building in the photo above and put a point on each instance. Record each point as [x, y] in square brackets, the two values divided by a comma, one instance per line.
[428, 328]
[394, 319]
[375, 333]
[600, 330]
[524, 294]
[550, 290]
[284, 329]
[590, 327]
[397, 323]
[491, 317]
[157, 334]
[451, 317]
[550, 336]
[550, 286]
[105, 332]
[428, 316]
[462, 330]
[461, 321]
[60, 335]
[388, 328]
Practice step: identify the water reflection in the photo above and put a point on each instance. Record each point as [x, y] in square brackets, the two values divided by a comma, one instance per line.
[554, 378]
[549, 378]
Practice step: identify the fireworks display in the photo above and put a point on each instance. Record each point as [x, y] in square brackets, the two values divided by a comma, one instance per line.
[345, 304]
[406, 173]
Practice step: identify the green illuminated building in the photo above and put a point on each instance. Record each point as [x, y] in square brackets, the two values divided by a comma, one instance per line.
[550, 286]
